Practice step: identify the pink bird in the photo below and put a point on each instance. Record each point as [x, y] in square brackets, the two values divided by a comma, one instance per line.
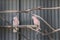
[15, 23]
[36, 22]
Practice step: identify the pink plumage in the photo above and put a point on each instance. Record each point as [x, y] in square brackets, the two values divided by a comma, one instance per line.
[15, 23]
[36, 22]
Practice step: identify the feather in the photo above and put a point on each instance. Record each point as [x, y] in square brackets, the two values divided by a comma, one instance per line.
[15, 23]
[36, 22]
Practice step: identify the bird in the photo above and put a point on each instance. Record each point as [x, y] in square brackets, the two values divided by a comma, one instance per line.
[36, 22]
[15, 23]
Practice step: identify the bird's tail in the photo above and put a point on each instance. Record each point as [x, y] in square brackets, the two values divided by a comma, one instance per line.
[15, 29]
[37, 29]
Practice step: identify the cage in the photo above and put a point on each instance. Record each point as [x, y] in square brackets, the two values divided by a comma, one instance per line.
[51, 15]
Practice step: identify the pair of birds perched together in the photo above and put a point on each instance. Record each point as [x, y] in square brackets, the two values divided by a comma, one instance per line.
[16, 23]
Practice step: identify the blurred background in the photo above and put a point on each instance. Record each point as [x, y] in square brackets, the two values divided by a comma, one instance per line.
[51, 16]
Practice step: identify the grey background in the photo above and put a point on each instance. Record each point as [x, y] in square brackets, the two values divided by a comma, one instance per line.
[51, 16]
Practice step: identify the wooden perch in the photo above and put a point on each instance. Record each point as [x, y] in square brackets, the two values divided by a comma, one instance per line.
[36, 30]
[53, 31]
[51, 8]
[49, 35]
[28, 10]
[21, 26]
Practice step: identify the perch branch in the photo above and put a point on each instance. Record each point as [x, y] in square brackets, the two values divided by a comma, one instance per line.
[49, 35]
[53, 31]
[35, 30]
[25, 11]
[20, 26]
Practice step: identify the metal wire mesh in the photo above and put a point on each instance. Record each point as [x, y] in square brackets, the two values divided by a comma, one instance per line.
[51, 16]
